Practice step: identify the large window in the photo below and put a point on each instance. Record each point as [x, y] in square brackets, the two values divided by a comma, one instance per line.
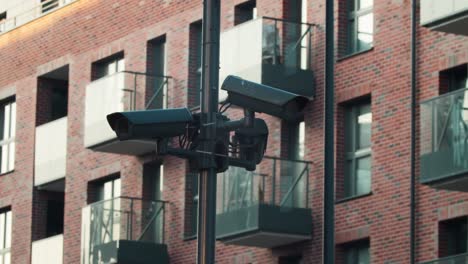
[156, 68]
[7, 135]
[358, 123]
[245, 12]
[5, 237]
[453, 237]
[108, 66]
[357, 253]
[360, 25]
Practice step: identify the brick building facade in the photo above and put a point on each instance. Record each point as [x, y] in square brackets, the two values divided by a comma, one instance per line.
[51, 64]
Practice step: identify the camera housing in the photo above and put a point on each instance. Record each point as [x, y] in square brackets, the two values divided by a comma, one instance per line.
[264, 99]
[150, 124]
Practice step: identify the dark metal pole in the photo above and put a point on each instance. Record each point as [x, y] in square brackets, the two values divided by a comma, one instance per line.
[329, 171]
[209, 109]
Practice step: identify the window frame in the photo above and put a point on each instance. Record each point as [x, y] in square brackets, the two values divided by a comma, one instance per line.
[6, 240]
[354, 249]
[352, 28]
[8, 143]
[354, 153]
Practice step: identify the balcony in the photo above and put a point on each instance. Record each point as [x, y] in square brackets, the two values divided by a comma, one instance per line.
[449, 16]
[48, 250]
[266, 208]
[269, 51]
[444, 141]
[124, 230]
[457, 259]
[122, 91]
[29, 11]
[50, 156]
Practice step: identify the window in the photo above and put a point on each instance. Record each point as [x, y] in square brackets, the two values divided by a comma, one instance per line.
[109, 189]
[454, 79]
[156, 67]
[357, 253]
[153, 174]
[7, 135]
[294, 146]
[195, 64]
[5, 236]
[360, 25]
[49, 5]
[108, 66]
[453, 237]
[245, 12]
[3, 17]
[52, 96]
[358, 123]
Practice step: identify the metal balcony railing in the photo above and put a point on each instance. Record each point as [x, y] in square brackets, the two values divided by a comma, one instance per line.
[444, 136]
[287, 42]
[279, 182]
[23, 16]
[107, 222]
[456, 259]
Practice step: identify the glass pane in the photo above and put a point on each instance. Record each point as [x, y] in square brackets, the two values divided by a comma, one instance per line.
[4, 159]
[107, 190]
[363, 255]
[364, 122]
[365, 3]
[2, 231]
[6, 124]
[363, 175]
[13, 120]
[1, 259]
[348, 182]
[116, 186]
[8, 230]
[7, 258]
[365, 31]
[111, 68]
[11, 156]
[301, 143]
[121, 65]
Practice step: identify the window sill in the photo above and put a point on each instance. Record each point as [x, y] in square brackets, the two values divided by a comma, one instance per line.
[189, 237]
[351, 198]
[354, 54]
[6, 173]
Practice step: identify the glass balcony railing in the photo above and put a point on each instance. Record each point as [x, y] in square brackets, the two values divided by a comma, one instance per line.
[42, 253]
[25, 13]
[267, 207]
[123, 230]
[444, 139]
[271, 51]
[457, 259]
[50, 156]
[122, 91]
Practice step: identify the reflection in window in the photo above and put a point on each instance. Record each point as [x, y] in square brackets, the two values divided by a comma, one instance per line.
[360, 25]
[358, 150]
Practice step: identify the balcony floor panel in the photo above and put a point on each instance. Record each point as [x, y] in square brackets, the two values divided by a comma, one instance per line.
[129, 147]
[265, 226]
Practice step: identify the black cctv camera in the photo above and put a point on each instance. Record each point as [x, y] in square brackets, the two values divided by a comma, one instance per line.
[150, 124]
[264, 99]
